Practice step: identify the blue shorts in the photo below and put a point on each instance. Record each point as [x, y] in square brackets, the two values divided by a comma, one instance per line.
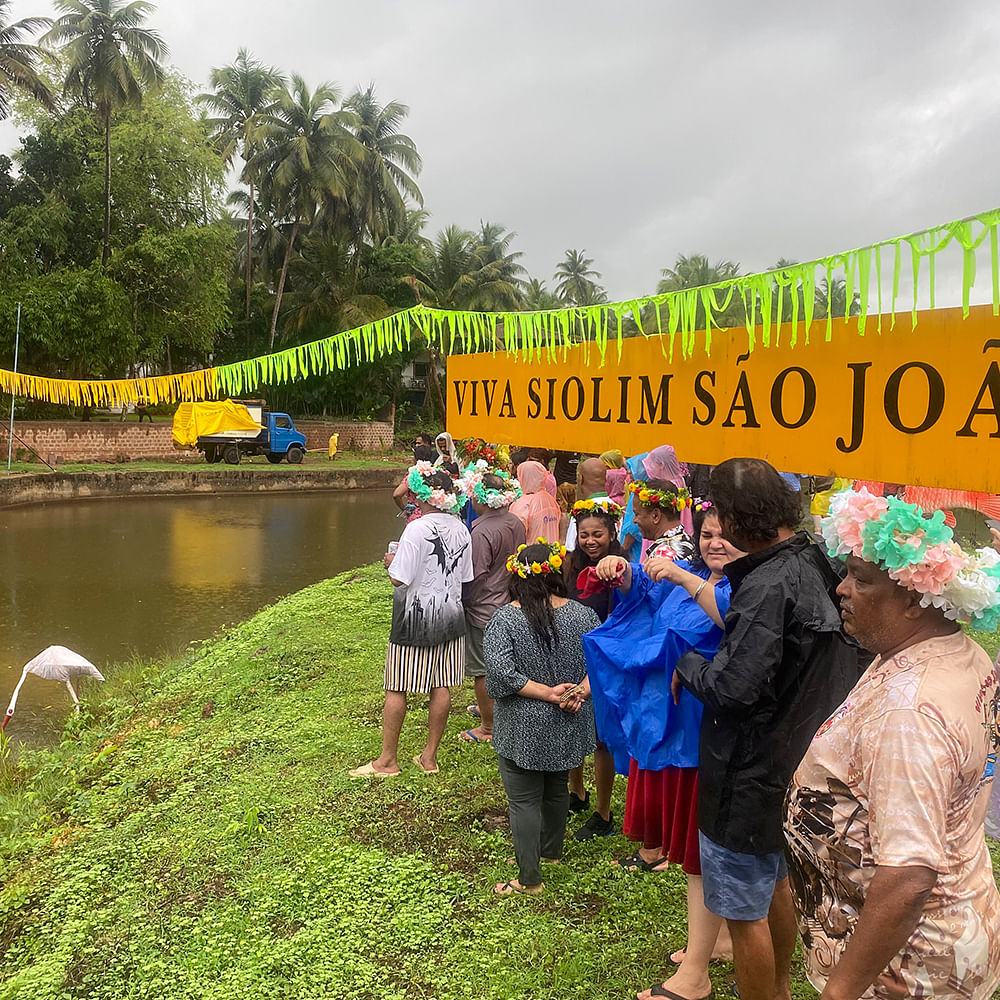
[739, 886]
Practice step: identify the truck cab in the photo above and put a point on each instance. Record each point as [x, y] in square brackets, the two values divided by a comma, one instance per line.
[284, 441]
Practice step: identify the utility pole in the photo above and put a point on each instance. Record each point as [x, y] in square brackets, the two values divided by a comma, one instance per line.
[10, 430]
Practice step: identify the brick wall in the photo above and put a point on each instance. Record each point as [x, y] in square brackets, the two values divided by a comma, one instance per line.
[99, 441]
[76, 441]
[362, 436]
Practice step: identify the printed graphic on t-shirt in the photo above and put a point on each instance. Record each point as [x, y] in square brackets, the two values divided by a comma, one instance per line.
[429, 611]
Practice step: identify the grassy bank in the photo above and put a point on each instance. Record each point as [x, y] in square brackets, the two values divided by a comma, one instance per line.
[195, 835]
[312, 460]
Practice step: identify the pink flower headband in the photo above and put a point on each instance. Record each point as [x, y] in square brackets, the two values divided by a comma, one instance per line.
[918, 552]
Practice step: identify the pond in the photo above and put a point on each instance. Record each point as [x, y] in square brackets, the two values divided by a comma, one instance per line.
[116, 579]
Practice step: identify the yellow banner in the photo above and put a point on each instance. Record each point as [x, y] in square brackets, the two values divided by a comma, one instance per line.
[918, 406]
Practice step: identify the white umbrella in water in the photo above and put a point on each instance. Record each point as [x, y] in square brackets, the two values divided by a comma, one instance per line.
[57, 663]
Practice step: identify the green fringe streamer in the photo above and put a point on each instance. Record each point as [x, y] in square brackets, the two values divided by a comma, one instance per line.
[675, 317]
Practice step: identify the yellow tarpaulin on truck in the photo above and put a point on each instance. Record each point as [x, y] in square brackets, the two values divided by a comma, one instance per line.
[195, 420]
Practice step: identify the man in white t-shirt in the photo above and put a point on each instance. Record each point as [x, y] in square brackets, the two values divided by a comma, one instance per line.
[426, 651]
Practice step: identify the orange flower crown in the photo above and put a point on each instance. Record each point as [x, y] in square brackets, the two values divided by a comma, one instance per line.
[553, 564]
[648, 497]
[584, 508]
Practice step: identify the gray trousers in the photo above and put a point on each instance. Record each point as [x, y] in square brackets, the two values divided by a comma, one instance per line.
[538, 803]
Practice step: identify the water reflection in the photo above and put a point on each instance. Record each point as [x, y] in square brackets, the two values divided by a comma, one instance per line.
[115, 578]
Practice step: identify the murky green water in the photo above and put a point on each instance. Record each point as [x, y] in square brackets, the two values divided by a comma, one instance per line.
[116, 578]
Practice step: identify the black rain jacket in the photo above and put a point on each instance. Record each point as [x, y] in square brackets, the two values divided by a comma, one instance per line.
[783, 666]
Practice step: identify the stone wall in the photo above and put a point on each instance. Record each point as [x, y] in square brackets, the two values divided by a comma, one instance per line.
[50, 486]
[114, 441]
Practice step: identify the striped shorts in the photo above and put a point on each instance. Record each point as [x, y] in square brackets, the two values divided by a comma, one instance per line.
[417, 669]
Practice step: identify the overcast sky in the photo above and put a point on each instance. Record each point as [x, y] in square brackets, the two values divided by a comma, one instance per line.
[641, 130]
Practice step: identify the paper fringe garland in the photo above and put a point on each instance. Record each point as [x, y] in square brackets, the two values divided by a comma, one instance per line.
[550, 333]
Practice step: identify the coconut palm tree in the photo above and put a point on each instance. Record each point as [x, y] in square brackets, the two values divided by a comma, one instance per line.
[537, 296]
[308, 162]
[241, 96]
[499, 278]
[110, 59]
[693, 271]
[326, 291]
[386, 179]
[574, 278]
[19, 60]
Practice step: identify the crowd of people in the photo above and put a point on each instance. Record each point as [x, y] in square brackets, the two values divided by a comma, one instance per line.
[802, 724]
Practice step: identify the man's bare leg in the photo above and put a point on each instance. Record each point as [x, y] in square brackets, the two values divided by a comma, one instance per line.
[393, 715]
[753, 956]
[485, 705]
[784, 930]
[576, 782]
[437, 719]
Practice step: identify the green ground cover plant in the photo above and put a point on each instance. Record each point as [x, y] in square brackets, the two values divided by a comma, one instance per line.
[194, 834]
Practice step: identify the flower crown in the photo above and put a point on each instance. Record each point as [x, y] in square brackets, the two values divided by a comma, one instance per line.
[471, 484]
[552, 564]
[702, 505]
[450, 503]
[919, 553]
[583, 508]
[678, 501]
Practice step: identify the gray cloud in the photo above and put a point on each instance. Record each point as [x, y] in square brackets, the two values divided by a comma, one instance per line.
[646, 129]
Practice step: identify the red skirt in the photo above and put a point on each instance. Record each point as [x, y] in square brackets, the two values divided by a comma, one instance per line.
[661, 810]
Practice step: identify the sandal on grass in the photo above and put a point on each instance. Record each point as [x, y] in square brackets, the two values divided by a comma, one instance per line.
[635, 863]
[469, 736]
[632, 863]
[368, 771]
[512, 887]
[426, 770]
[659, 990]
[473, 710]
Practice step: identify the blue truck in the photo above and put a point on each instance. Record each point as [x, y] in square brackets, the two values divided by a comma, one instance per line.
[276, 438]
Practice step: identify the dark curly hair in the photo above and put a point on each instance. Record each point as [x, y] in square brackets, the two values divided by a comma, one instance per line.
[440, 480]
[753, 500]
[533, 595]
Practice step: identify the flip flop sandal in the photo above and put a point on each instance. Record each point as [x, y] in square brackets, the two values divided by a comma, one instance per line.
[510, 889]
[473, 710]
[426, 770]
[469, 736]
[660, 991]
[368, 771]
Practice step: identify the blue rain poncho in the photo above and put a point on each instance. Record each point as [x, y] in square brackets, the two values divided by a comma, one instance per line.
[630, 660]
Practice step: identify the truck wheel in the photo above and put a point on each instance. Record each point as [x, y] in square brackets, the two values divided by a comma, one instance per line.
[231, 454]
[294, 455]
[210, 453]
[274, 458]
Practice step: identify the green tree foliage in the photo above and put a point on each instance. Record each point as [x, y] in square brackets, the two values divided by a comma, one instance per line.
[307, 164]
[19, 60]
[386, 176]
[692, 270]
[171, 253]
[75, 323]
[575, 280]
[111, 60]
[242, 95]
